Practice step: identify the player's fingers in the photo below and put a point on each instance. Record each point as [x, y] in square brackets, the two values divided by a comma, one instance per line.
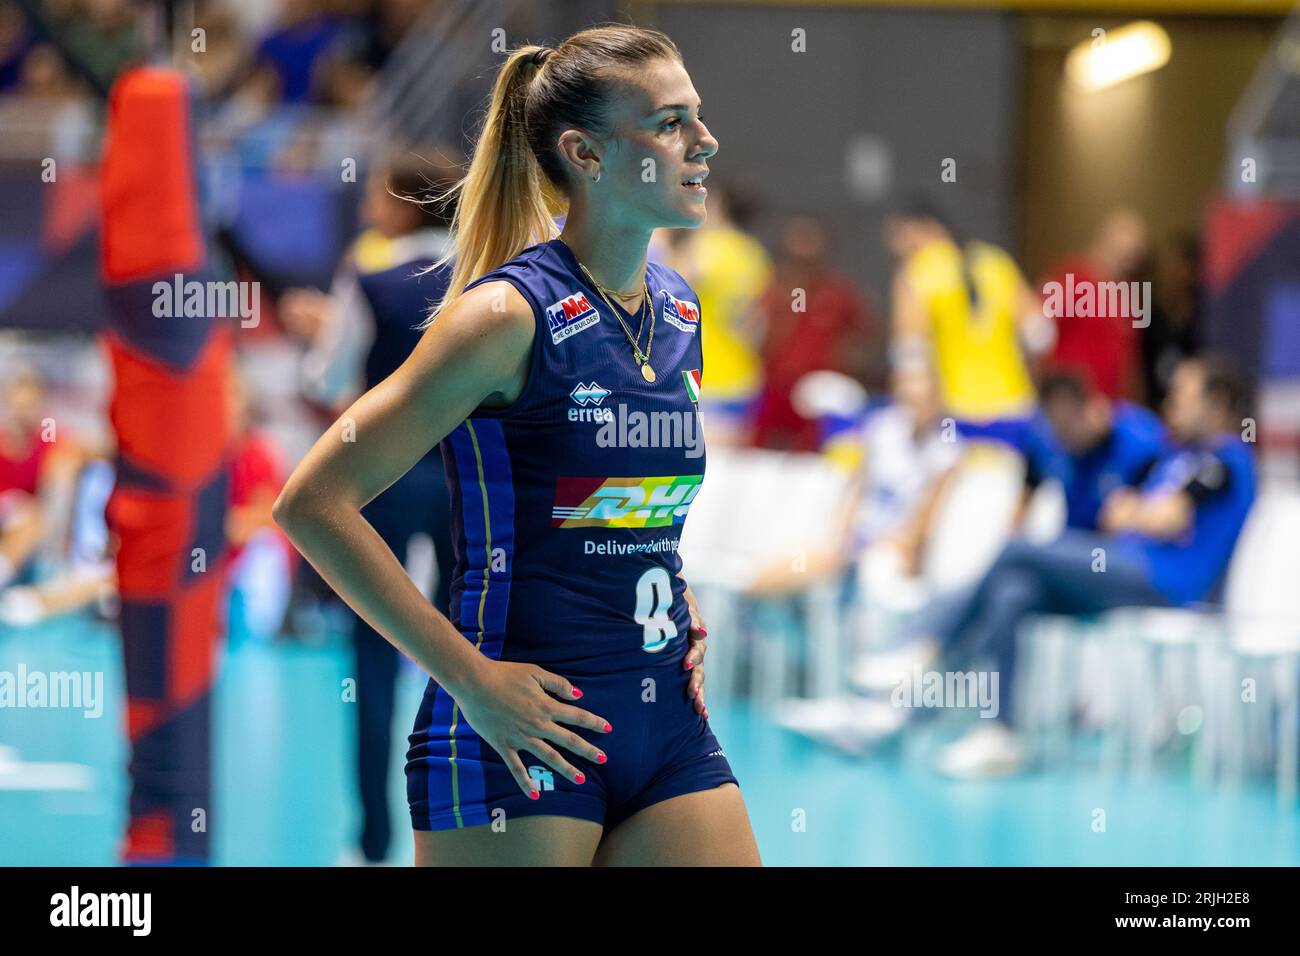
[694, 656]
[520, 773]
[695, 689]
[563, 713]
[555, 684]
[551, 757]
[574, 744]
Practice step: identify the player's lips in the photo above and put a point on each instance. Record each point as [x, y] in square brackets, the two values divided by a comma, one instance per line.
[695, 183]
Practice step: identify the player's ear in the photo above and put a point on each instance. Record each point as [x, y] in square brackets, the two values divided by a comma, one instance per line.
[579, 154]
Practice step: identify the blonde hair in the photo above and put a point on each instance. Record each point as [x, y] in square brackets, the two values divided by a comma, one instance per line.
[503, 203]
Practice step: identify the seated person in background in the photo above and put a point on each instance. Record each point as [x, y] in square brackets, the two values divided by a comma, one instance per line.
[904, 459]
[1094, 446]
[40, 465]
[25, 459]
[1166, 543]
[261, 559]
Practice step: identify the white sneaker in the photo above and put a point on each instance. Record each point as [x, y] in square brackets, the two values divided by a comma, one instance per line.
[849, 723]
[885, 670]
[21, 607]
[990, 750]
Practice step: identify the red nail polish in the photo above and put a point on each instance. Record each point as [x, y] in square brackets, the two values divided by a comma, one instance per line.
[706, 713]
[690, 664]
[703, 631]
[608, 727]
[601, 758]
[534, 795]
[577, 693]
[580, 777]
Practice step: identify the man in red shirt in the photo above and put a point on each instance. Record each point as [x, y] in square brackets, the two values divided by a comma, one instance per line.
[1104, 349]
[23, 458]
[815, 319]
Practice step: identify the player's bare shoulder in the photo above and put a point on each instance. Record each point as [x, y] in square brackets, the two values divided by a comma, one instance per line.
[490, 327]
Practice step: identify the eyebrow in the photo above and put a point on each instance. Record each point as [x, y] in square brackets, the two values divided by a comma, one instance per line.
[673, 106]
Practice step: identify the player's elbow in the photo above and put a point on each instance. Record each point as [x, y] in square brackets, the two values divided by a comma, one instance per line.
[290, 510]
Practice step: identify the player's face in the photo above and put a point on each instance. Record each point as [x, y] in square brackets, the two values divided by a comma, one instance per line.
[1185, 406]
[659, 143]
[1071, 424]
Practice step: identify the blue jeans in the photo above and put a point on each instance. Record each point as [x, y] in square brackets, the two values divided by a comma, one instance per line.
[1055, 578]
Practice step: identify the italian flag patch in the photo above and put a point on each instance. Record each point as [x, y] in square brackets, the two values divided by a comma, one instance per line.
[692, 379]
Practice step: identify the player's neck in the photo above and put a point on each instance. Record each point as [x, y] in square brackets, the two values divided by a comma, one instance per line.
[615, 255]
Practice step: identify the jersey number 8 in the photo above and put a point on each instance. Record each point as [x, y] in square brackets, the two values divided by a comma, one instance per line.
[654, 600]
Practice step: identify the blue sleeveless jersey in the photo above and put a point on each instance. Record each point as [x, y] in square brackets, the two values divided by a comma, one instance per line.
[568, 505]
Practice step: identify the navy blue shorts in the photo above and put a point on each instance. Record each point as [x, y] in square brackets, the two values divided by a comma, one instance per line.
[659, 748]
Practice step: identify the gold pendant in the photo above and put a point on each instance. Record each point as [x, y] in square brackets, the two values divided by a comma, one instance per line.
[647, 373]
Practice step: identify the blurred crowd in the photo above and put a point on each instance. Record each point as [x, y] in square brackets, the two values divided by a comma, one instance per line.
[278, 77]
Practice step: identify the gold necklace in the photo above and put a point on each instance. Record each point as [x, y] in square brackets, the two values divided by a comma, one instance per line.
[642, 358]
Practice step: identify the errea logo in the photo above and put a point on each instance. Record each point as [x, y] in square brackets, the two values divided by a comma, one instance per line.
[590, 395]
[570, 316]
[593, 394]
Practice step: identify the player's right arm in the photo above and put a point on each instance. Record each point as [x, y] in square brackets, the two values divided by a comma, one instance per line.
[477, 351]
[910, 343]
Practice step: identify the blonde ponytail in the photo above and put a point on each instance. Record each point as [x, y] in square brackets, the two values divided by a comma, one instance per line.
[500, 205]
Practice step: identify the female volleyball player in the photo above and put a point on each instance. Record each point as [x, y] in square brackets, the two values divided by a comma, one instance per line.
[563, 722]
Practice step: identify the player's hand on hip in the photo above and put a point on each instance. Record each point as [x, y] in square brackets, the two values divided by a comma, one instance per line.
[694, 659]
[513, 707]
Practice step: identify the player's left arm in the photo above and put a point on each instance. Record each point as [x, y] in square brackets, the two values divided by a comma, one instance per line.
[1037, 329]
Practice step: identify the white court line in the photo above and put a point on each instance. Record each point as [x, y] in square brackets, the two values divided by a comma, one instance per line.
[16, 775]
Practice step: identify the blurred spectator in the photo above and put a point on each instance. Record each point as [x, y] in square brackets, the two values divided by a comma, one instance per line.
[965, 309]
[15, 41]
[1092, 445]
[729, 270]
[358, 335]
[1176, 318]
[814, 319]
[103, 37]
[1167, 543]
[386, 23]
[1106, 346]
[903, 463]
[44, 569]
[289, 59]
[261, 557]
[25, 457]
[225, 48]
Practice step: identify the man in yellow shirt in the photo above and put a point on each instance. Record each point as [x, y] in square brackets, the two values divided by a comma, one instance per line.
[966, 311]
[728, 269]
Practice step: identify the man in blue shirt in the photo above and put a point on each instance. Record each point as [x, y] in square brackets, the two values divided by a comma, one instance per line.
[1166, 543]
[1092, 445]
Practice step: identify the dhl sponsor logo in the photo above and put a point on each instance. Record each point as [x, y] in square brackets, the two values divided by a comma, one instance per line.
[623, 502]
